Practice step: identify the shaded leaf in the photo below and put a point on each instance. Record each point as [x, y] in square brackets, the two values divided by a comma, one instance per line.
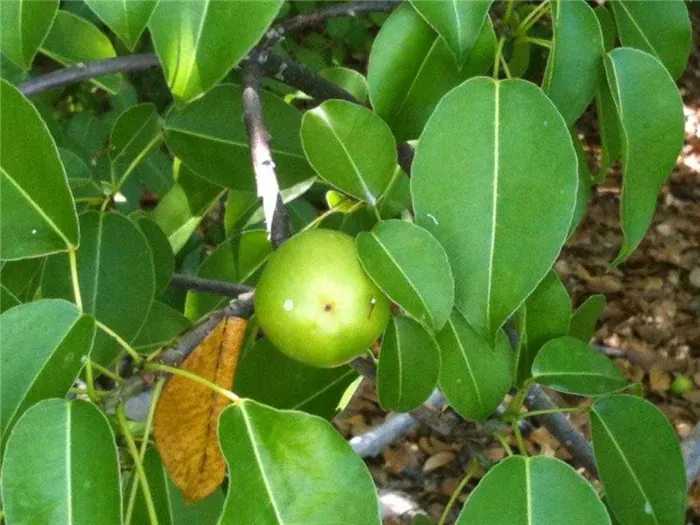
[22, 277]
[409, 365]
[492, 166]
[23, 27]
[348, 79]
[81, 485]
[585, 317]
[639, 460]
[162, 252]
[585, 185]
[397, 196]
[162, 325]
[187, 413]
[269, 452]
[7, 299]
[38, 214]
[422, 286]
[127, 19]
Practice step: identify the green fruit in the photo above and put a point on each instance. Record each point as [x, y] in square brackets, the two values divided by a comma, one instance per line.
[681, 385]
[315, 302]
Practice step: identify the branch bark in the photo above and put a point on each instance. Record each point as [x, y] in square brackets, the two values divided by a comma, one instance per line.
[190, 282]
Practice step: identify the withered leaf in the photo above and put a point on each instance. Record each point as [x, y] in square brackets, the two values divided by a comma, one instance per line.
[187, 414]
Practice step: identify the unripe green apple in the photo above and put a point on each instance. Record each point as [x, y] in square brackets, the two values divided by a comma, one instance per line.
[315, 302]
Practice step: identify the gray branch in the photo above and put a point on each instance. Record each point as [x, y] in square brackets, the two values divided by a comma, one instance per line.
[190, 282]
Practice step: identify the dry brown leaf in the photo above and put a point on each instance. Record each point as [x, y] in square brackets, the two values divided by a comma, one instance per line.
[187, 414]
[659, 380]
[438, 460]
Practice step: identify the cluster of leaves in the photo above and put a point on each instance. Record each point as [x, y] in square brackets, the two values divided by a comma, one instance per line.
[464, 247]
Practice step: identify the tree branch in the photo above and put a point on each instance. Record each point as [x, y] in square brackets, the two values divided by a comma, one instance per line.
[190, 282]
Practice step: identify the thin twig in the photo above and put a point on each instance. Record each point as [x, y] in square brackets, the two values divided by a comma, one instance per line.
[199, 284]
[279, 228]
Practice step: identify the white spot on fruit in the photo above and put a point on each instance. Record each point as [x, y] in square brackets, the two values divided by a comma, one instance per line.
[288, 305]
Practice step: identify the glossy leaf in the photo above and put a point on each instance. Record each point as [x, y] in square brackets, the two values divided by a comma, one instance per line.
[23, 27]
[651, 113]
[269, 452]
[492, 166]
[38, 213]
[548, 311]
[199, 42]
[348, 79]
[135, 134]
[411, 68]
[240, 206]
[61, 466]
[270, 377]
[458, 23]
[474, 376]
[397, 197]
[607, 26]
[639, 460]
[659, 28]
[423, 286]
[541, 491]
[209, 136]
[127, 19]
[162, 325]
[575, 64]
[585, 317]
[73, 40]
[42, 346]
[162, 252]
[237, 260]
[409, 365]
[116, 278]
[571, 366]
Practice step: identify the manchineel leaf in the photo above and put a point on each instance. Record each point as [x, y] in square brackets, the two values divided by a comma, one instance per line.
[22, 277]
[73, 40]
[42, 346]
[199, 42]
[411, 68]
[457, 22]
[113, 252]
[584, 319]
[162, 252]
[38, 213]
[651, 113]
[7, 299]
[662, 29]
[480, 193]
[187, 412]
[409, 365]
[162, 325]
[23, 26]
[639, 460]
[474, 376]
[348, 79]
[571, 366]
[268, 376]
[209, 136]
[422, 286]
[61, 466]
[290, 467]
[575, 64]
[548, 311]
[127, 19]
[585, 184]
[350, 147]
[541, 491]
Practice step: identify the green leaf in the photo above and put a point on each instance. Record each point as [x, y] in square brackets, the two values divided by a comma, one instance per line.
[548, 311]
[23, 27]
[409, 365]
[458, 23]
[348, 79]
[585, 185]
[269, 453]
[411, 68]
[607, 26]
[75, 167]
[238, 260]
[639, 460]
[42, 346]
[115, 274]
[474, 376]
[73, 40]
[210, 137]
[240, 206]
[350, 147]
[662, 29]
[268, 376]
[519, 61]
[571, 366]
[7, 299]
[575, 63]
[397, 197]
[162, 325]
[493, 166]
[22, 277]
[61, 466]
[541, 491]
[38, 213]
[163, 257]
[127, 19]
[423, 286]
[199, 42]
[585, 317]
[651, 113]
[135, 134]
